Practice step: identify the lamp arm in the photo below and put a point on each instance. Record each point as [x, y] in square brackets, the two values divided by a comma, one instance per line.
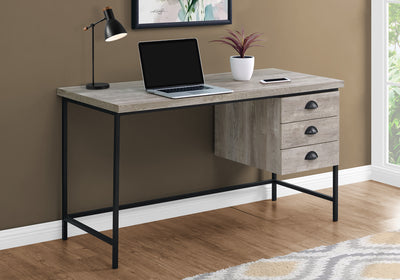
[93, 24]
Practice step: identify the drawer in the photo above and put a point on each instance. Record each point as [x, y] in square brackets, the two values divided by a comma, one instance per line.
[310, 106]
[309, 132]
[294, 160]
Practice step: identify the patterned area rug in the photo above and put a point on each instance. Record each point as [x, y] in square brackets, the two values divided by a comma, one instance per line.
[374, 257]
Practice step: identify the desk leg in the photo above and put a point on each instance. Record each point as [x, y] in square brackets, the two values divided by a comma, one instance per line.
[116, 191]
[335, 192]
[64, 168]
[273, 187]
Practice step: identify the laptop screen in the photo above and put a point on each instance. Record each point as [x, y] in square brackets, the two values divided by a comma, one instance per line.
[170, 63]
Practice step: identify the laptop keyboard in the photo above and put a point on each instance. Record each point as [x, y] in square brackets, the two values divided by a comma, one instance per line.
[169, 90]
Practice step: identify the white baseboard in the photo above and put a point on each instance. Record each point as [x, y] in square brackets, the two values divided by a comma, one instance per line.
[385, 175]
[22, 236]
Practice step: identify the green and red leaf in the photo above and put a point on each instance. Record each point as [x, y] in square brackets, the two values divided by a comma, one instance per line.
[239, 41]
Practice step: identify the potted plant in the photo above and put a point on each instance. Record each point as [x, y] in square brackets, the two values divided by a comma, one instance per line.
[242, 65]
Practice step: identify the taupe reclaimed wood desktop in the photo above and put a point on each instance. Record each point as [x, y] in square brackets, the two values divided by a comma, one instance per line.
[128, 97]
[271, 109]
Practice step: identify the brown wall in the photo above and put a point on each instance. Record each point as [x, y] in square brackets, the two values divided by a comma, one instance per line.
[43, 47]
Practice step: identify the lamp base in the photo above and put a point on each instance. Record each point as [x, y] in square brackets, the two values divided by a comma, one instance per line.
[97, 86]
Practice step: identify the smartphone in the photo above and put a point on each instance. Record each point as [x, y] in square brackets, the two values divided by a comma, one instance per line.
[275, 80]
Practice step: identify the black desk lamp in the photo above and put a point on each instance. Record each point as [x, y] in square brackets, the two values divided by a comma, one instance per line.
[113, 31]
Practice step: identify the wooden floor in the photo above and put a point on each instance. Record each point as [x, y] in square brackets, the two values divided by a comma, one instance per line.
[205, 242]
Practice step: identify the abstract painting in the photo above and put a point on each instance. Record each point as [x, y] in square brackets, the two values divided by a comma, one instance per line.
[170, 13]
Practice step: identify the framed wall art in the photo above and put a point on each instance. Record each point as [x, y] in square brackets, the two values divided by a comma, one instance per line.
[173, 13]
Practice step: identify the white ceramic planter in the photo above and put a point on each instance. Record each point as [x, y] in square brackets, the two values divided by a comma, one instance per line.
[242, 68]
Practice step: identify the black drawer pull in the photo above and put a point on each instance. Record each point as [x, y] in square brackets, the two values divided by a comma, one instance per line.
[311, 156]
[311, 105]
[311, 130]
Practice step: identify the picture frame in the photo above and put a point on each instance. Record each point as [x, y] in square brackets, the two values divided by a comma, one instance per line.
[179, 13]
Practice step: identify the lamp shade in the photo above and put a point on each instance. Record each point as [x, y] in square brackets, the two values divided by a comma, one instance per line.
[113, 30]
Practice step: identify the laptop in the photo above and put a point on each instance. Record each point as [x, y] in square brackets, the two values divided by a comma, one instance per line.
[172, 68]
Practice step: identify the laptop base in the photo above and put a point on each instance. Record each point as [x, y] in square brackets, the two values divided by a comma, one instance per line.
[211, 90]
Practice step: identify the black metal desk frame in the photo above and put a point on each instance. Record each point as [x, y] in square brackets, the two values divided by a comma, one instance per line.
[71, 218]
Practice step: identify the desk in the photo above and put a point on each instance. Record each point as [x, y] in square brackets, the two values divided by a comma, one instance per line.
[131, 98]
